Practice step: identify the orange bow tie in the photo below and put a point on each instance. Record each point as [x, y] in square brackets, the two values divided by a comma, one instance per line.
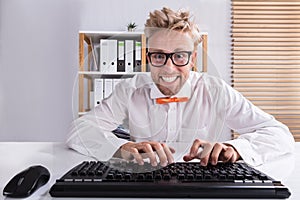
[171, 99]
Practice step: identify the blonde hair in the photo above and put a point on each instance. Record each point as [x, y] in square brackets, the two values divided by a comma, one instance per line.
[171, 20]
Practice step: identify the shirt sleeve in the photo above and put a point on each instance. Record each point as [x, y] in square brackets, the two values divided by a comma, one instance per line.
[92, 134]
[262, 137]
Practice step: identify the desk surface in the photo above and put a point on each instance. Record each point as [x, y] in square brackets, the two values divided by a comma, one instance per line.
[16, 156]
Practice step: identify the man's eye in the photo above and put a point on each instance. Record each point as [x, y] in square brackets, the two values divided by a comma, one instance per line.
[179, 55]
[159, 56]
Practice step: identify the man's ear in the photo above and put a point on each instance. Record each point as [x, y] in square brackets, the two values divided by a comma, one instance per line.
[194, 59]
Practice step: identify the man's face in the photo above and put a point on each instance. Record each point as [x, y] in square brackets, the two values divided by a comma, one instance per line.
[169, 78]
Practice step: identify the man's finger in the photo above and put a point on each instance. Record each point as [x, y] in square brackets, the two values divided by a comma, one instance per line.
[172, 150]
[216, 151]
[150, 154]
[161, 154]
[137, 156]
[205, 154]
[195, 147]
[204, 160]
[227, 154]
[169, 153]
[207, 148]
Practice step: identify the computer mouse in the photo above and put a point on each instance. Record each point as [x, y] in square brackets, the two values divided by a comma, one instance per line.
[27, 182]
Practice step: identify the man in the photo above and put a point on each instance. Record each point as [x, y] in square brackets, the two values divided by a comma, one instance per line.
[175, 104]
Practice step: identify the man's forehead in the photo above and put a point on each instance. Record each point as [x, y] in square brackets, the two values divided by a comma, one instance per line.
[171, 35]
[173, 39]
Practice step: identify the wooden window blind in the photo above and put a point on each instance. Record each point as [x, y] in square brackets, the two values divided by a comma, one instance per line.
[266, 56]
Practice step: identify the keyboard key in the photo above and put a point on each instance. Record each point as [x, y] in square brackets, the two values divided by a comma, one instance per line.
[166, 177]
[127, 177]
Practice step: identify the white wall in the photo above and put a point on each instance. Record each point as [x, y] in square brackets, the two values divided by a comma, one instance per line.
[39, 55]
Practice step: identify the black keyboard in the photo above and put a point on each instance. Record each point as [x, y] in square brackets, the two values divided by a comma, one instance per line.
[177, 180]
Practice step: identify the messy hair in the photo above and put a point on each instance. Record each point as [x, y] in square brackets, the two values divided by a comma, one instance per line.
[172, 20]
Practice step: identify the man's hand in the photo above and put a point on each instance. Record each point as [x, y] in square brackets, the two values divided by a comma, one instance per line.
[148, 149]
[211, 152]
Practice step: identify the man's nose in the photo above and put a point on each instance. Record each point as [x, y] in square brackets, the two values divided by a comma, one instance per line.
[169, 65]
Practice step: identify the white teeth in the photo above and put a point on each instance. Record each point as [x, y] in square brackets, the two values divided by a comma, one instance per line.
[169, 79]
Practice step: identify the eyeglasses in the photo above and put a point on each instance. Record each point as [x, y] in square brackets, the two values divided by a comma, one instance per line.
[179, 59]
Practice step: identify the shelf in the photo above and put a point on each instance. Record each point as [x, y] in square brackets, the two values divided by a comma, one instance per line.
[81, 113]
[95, 36]
[94, 74]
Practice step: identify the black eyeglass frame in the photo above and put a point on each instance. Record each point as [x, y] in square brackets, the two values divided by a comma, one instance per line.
[170, 55]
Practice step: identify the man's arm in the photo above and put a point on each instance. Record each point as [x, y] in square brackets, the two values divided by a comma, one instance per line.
[91, 134]
[262, 137]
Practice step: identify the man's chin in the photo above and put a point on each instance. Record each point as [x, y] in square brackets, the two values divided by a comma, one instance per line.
[167, 90]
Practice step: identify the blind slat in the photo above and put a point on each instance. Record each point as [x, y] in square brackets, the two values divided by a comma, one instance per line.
[270, 57]
[266, 75]
[268, 89]
[281, 112]
[266, 21]
[281, 44]
[266, 34]
[290, 120]
[297, 17]
[285, 117]
[255, 84]
[267, 53]
[266, 71]
[270, 94]
[265, 66]
[266, 12]
[261, 3]
[265, 49]
[265, 30]
[292, 26]
[273, 7]
[274, 103]
[295, 130]
[266, 62]
[265, 80]
[283, 99]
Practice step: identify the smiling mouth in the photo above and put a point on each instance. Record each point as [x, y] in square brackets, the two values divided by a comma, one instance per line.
[169, 79]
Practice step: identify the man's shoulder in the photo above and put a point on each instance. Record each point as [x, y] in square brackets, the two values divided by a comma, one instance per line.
[137, 81]
[206, 79]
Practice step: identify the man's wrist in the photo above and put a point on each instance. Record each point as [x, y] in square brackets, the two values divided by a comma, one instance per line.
[122, 153]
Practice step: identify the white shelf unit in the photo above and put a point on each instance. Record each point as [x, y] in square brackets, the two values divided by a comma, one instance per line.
[88, 40]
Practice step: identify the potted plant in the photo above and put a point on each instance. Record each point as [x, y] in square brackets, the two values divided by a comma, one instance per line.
[131, 26]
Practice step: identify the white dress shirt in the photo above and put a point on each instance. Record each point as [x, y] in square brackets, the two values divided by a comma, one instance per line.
[212, 106]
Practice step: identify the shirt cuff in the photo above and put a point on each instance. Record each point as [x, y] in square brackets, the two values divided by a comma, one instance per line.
[246, 151]
[101, 150]
[106, 150]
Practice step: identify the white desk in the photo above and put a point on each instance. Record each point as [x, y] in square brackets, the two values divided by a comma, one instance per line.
[16, 156]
